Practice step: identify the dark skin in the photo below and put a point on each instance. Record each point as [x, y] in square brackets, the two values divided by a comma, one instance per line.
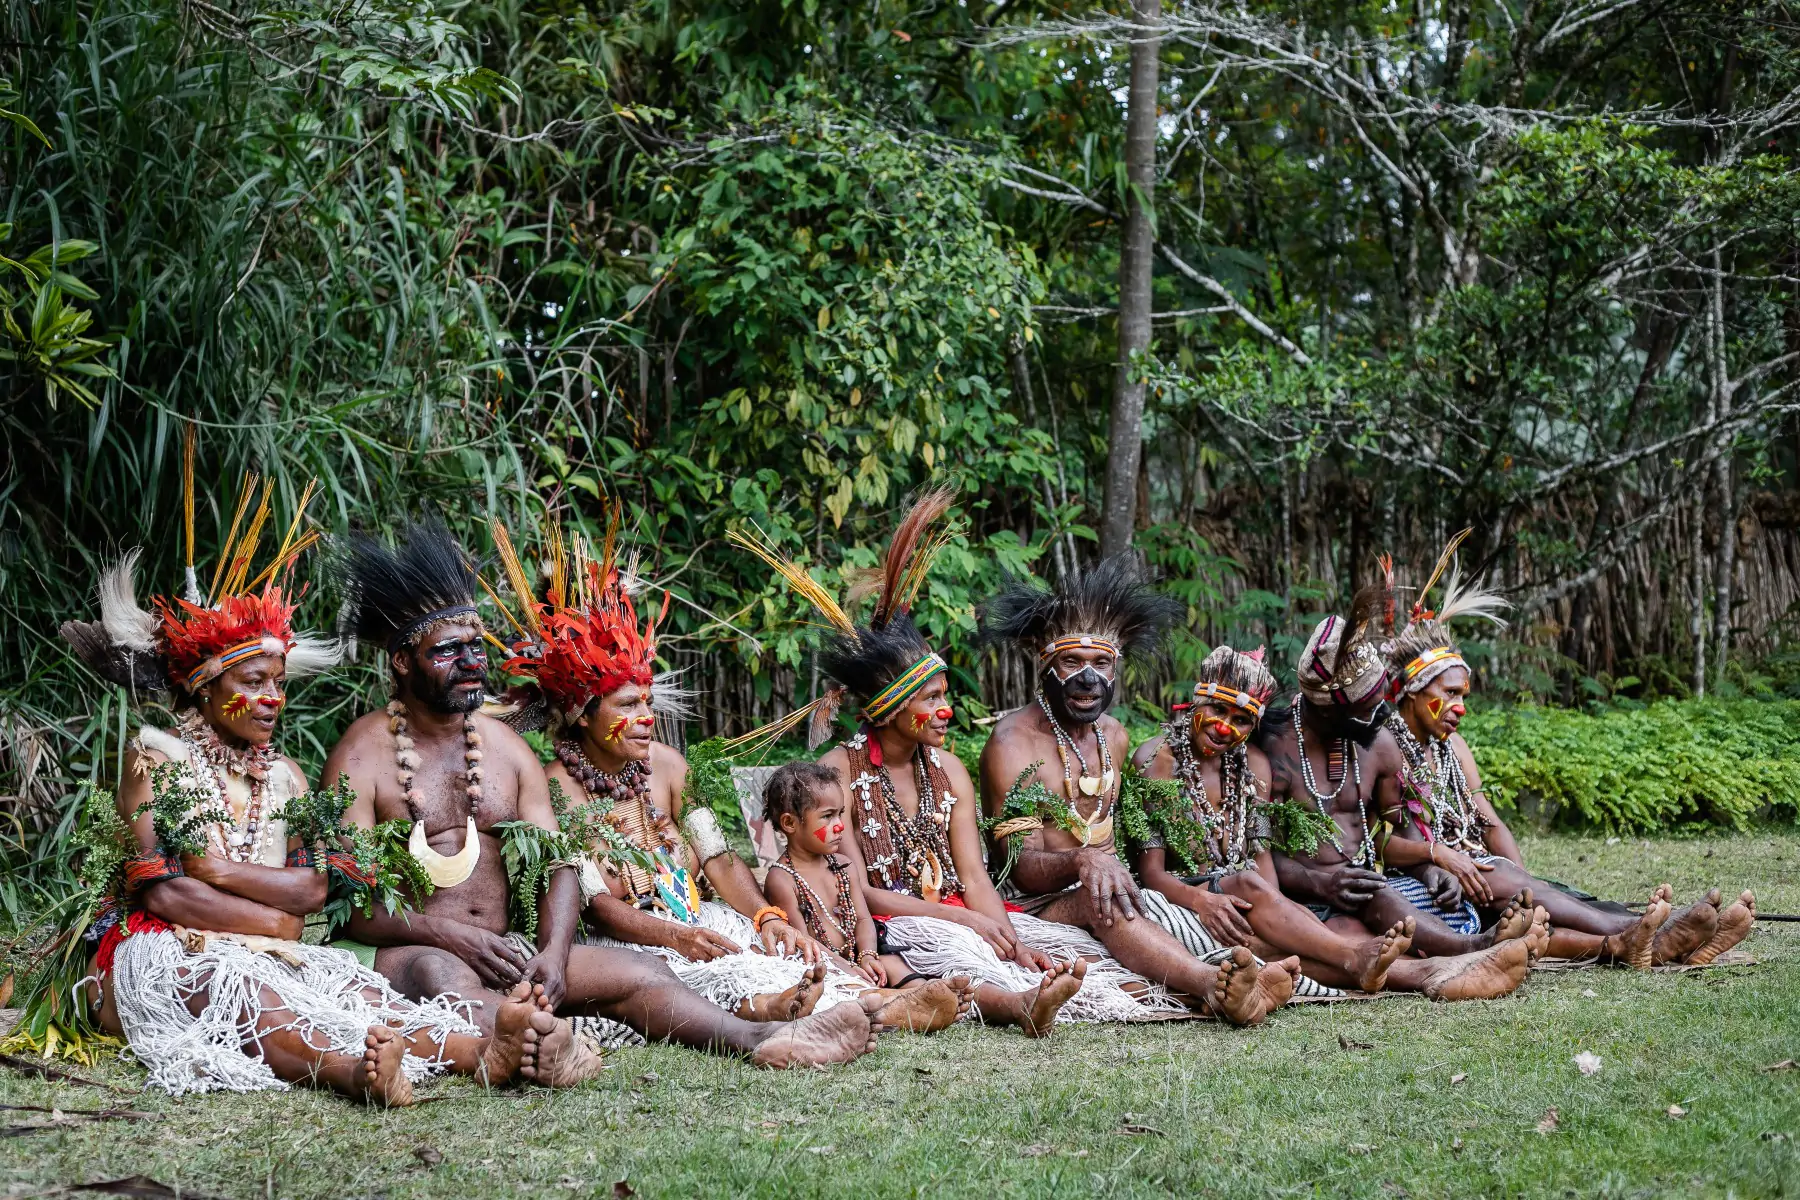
[918, 724]
[1328, 876]
[1107, 900]
[455, 942]
[617, 730]
[218, 894]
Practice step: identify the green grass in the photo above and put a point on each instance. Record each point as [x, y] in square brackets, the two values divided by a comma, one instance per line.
[1280, 1110]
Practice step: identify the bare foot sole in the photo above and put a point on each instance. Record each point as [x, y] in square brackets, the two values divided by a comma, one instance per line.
[928, 1008]
[378, 1075]
[1041, 1005]
[1514, 922]
[1379, 954]
[1734, 927]
[798, 1001]
[837, 1035]
[1484, 975]
[500, 1060]
[1685, 932]
[554, 1057]
[1238, 994]
[1634, 947]
[1537, 938]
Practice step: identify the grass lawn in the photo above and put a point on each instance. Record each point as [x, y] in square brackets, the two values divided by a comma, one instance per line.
[1286, 1109]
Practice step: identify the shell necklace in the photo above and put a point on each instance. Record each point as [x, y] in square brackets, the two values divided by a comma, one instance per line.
[1097, 828]
[248, 837]
[445, 871]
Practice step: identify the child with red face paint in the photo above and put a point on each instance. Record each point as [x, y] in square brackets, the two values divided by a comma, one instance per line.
[806, 802]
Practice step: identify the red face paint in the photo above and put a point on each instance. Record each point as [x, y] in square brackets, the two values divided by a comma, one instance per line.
[1457, 710]
[616, 730]
[1226, 732]
[822, 832]
[1435, 706]
[838, 828]
[272, 703]
[920, 720]
[646, 722]
[945, 713]
[237, 706]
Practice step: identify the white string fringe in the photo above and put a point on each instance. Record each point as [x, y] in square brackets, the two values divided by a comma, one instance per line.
[330, 999]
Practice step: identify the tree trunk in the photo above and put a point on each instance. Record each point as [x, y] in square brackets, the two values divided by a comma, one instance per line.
[1125, 429]
[1725, 562]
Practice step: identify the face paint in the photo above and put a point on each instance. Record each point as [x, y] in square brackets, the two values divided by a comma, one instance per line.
[945, 713]
[272, 703]
[1364, 732]
[1095, 692]
[646, 722]
[616, 730]
[237, 706]
[1226, 732]
[920, 721]
[838, 828]
[1435, 706]
[822, 832]
[1458, 710]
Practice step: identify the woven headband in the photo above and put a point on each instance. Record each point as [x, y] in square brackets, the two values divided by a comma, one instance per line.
[405, 632]
[1079, 641]
[223, 661]
[1433, 657]
[1211, 690]
[888, 701]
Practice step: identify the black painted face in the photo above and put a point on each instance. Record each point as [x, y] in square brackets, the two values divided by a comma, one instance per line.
[1365, 729]
[1081, 698]
[447, 670]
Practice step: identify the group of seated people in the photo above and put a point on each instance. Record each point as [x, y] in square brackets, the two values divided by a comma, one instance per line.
[1245, 856]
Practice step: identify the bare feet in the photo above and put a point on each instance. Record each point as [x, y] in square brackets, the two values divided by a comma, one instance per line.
[1514, 922]
[378, 1076]
[1734, 927]
[1686, 931]
[1042, 1003]
[1537, 938]
[836, 1035]
[500, 1061]
[1245, 993]
[1634, 947]
[933, 1005]
[1378, 954]
[1665, 892]
[554, 1057]
[798, 1001]
[1484, 975]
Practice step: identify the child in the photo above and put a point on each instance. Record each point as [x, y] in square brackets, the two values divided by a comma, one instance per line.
[806, 802]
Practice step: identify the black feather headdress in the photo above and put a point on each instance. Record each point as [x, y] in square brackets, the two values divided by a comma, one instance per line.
[394, 592]
[1114, 601]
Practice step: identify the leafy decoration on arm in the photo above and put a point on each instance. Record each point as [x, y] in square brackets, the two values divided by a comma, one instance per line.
[533, 854]
[1297, 830]
[1028, 807]
[1152, 809]
[181, 810]
[365, 867]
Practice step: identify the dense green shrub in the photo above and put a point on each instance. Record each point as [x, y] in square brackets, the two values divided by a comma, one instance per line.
[1672, 764]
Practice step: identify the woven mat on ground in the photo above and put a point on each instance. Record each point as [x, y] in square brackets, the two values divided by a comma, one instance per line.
[1731, 958]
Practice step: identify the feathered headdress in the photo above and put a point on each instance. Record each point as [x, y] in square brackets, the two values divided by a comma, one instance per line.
[1342, 663]
[1235, 677]
[394, 593]
[1112, 606]
[583, 641]
[885, 661]
[188, 642]
[1427, 648]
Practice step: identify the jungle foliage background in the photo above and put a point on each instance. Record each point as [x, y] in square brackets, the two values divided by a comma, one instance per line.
[1524, 266]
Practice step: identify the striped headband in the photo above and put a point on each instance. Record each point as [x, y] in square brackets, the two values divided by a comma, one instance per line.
[1427, 667]
[888, 701]
[1212, 690]
[223, 661]
[1079, 641]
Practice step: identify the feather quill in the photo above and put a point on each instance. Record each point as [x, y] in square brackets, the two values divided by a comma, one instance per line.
[128, 624]
[796, 576]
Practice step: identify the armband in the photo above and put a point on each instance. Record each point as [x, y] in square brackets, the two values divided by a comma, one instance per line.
[588, 876]
[767, 913]
[701, 825]
[302, 856]
[151, 868]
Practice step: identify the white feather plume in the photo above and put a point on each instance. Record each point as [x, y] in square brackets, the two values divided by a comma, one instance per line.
[311, 655]
[1472, 601]
[669, 700]
[128, 624]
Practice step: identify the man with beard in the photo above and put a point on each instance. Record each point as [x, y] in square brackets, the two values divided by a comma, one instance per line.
[1449, 821]
[1065, 750]
[1333, 731]
[435, 761]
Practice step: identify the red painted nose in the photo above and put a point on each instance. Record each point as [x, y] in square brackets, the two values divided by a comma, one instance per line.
[945, 713]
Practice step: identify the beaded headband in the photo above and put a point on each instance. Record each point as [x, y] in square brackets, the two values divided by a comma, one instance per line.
[1079, 641]
[223, 661]
[888, 701]
[1431, 658]
[404, 634]
[1211, 690]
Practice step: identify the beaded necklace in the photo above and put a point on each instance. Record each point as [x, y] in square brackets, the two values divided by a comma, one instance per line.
[1365, 853]
[813, 910]
[914, 855]
[445, 871]
[248, 836]
[1455, 821]
[1227, 826]
[634, 814]
[1098, 826]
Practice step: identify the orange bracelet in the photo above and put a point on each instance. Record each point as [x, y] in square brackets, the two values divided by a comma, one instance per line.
[765, 914]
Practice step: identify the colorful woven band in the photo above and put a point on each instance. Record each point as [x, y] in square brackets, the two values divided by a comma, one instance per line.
[148, 868]
[1079, 641]
[1433, 657]
[891, 697]
[222, 662]
[1218, 691]
[404, 634]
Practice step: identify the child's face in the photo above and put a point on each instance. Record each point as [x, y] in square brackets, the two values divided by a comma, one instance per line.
[819, 829]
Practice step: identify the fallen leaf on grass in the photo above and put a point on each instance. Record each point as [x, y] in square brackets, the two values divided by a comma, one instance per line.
[1786, 1064]
[1456, 1145]
[1590, 994]
[821, 1149]
[568, 1183]
[923, 1070]
[431, 1156]
[1348, 1044]
[97, 1114]
[623, 1191]
[1137, 1128]
[26, 1067]
[1359, 1148]
[648, 1078]
[1458, 1077]
[1771, 1136]
[1587, 1062]
[1036, 1150]
[1550, 1122]
[141, 1186]
[1676, 1111]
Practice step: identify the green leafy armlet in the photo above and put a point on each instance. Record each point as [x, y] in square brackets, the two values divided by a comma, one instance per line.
[181, 810]
[1028, 807]
[534, 853]
[709, 785]
[1297, 830]
[365, 867]
[1151, 810]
